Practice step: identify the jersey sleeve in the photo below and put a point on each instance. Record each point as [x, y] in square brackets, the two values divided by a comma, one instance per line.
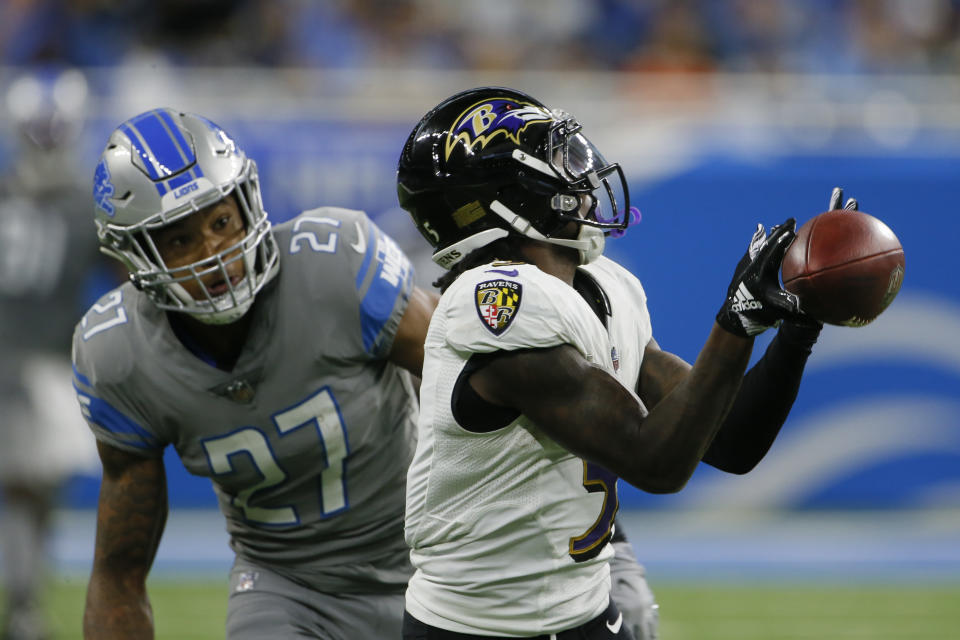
[355, 271]
[102, 373]
[384, 282]
[488, 311]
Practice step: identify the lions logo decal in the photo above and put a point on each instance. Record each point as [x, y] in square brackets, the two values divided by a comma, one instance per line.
[486, 120]
[103, 190]
[498, 302]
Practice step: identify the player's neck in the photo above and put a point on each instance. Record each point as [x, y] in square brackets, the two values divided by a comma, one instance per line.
[559, 262]
[219, 345]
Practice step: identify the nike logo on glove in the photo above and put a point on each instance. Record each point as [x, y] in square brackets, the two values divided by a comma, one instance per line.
[615, 625]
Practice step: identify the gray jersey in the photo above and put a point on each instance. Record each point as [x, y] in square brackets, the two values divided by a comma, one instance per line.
[308, 439]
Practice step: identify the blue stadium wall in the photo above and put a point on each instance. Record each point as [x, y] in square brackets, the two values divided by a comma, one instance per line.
[877, 421]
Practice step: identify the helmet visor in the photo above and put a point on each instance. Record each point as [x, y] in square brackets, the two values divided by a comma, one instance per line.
[581, 164]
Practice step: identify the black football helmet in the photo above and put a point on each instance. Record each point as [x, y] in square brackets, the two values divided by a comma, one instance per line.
[492, 161]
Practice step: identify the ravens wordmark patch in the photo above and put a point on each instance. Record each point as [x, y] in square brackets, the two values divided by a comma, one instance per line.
[498, 302]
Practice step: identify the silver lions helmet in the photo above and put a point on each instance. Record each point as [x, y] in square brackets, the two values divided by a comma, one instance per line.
[159, 167]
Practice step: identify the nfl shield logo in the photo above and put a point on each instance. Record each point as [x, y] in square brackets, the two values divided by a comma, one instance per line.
[246, 581]
[498, 302]
[240, 391]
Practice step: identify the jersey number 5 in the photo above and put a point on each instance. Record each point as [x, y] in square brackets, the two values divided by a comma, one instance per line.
[591, 542]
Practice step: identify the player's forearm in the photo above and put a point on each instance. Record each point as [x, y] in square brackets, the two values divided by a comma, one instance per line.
[131, 514]
[763, 402]
[116, 609]
[681, 427]
[117, 604]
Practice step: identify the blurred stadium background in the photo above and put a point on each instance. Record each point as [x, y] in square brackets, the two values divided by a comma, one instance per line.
[724, 113]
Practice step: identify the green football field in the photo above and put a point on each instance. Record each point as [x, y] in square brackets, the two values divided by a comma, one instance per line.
[758, 611]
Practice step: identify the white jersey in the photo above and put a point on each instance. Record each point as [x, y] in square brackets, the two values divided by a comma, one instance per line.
[508, 530]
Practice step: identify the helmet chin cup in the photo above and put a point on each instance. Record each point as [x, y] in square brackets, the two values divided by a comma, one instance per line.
[589, 242]
[593, 240]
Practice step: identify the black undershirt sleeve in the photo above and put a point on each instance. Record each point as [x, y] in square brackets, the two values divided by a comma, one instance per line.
[472, 412]
[765, 398]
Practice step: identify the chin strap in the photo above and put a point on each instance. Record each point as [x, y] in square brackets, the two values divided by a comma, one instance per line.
[589, 242]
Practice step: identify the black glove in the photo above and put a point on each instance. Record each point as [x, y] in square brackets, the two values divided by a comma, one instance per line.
[755, 300]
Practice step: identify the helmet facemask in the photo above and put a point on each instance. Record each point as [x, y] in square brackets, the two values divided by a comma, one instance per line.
[569, 179]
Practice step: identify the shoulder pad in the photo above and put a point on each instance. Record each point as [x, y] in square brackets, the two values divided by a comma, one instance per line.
[104, 339]
[500, 307]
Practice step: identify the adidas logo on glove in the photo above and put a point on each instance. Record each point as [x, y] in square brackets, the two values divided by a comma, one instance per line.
[745, 301]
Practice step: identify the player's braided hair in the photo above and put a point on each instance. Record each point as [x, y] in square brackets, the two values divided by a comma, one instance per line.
[508, 248]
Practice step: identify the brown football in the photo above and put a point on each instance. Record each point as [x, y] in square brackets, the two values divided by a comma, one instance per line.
[845, 266]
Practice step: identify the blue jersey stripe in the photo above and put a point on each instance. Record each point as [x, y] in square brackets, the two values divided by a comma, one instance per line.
[378, 303]
[106, 416]
[375, 311]
[79, 376]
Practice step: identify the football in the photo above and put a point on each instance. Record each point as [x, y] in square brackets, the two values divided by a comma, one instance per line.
[845, 266]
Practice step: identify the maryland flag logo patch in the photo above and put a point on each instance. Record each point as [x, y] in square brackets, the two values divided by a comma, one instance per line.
[498, 302]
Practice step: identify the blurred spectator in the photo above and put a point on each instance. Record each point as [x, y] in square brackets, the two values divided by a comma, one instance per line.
[906, 37]
[676, 41]
[757, 36]
[46, 256]
[829, 36]
[502, 35]
[72, 32]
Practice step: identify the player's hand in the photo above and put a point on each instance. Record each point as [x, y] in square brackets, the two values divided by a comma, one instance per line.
[755, 300]
[632, 595]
